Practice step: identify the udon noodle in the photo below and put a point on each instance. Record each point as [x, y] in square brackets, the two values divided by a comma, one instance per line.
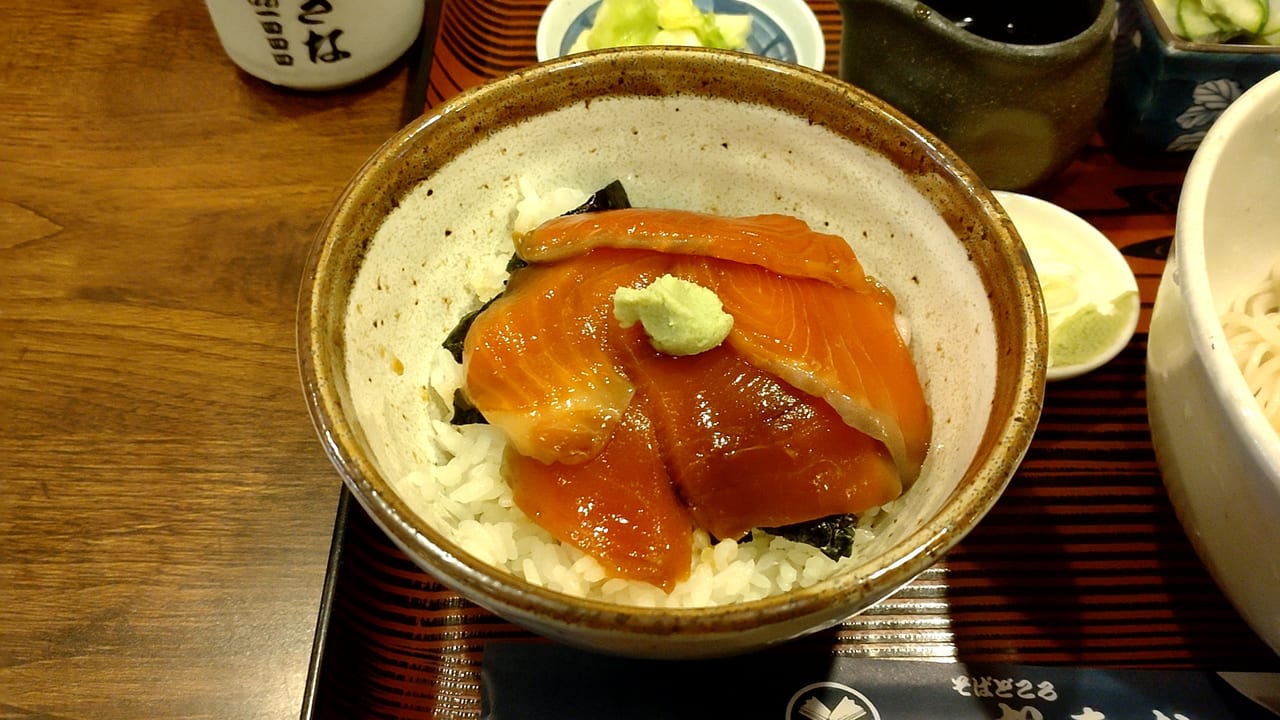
[1252, 327]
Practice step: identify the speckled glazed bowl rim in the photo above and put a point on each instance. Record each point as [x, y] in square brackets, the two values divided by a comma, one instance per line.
[460, 122]
[1178, 44]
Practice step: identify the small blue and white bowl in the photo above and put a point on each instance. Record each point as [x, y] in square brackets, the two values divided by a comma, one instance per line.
[1167, 92]
[784, 30]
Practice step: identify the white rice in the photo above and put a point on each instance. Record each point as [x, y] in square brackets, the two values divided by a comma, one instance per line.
[458, 488]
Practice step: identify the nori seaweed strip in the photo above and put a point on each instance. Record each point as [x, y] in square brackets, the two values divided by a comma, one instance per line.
[610, 197]
[464, 413]
[833, 535]
[456, 338]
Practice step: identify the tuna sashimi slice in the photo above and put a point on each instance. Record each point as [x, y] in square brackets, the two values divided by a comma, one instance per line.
[782, 243]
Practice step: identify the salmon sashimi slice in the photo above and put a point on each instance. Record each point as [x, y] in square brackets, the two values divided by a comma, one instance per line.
[838, 344]
[535, 363]
[812, 407]
[782, 243]
[746, 450]
[619, 507]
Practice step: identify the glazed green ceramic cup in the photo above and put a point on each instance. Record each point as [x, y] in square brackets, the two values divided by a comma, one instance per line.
[1016, 111]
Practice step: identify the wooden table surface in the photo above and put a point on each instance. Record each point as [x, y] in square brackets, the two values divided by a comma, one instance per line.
[166, 511]
[1081, 563]
[165, 508]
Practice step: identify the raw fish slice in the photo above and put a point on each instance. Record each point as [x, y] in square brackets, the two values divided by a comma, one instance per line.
[837, 344]
[619, 507]
[535, 361]
[784, 244]
[811, 408]
[747, 450]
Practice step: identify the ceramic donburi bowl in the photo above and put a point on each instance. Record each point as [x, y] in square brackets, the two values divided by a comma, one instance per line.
[408, 247]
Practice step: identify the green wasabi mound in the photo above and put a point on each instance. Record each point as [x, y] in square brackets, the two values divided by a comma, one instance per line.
[662, 22]
[680, 317]
[1090, 330]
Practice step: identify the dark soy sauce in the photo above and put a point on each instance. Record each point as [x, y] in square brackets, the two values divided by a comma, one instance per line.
[1021, 22]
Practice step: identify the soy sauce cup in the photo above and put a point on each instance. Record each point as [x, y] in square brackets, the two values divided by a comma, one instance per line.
[1015, 89]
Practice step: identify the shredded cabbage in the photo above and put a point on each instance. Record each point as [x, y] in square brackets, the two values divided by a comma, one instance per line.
[662, 22]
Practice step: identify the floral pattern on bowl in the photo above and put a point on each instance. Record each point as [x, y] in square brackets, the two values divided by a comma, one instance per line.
[1167, 92]
[1209, 99]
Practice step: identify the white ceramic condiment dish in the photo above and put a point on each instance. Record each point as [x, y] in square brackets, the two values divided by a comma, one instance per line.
[784, 30]
[1090, 293]
[1218, 454]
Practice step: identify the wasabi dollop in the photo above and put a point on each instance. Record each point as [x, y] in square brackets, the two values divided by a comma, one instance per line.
[1078, 336]
[680, 317]
[1083, 321]
[1090, 294]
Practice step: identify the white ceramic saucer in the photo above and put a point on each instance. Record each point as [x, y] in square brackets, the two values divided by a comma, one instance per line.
[780, 29]
[1091, 295]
